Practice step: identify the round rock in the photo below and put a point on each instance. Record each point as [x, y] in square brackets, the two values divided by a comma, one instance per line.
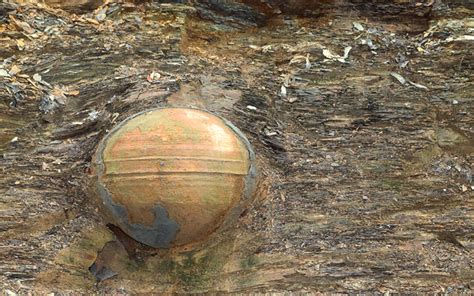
[170, 177]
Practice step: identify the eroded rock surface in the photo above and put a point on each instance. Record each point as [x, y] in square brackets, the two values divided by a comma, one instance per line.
[360, 116]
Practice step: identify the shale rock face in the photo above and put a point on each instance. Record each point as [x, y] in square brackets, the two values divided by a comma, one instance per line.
[171, 177]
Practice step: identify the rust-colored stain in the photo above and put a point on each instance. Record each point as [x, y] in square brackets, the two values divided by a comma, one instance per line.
[170, 176]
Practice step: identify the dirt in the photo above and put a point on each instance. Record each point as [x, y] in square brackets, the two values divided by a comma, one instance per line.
[365, 158]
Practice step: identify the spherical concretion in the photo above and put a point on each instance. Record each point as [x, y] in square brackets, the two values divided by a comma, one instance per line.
[169, 177]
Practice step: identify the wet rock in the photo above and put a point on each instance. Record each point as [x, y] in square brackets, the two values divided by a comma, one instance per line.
[75, 5]
[227, 11]
[5, 9]
[301, 6]
[104, 266]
